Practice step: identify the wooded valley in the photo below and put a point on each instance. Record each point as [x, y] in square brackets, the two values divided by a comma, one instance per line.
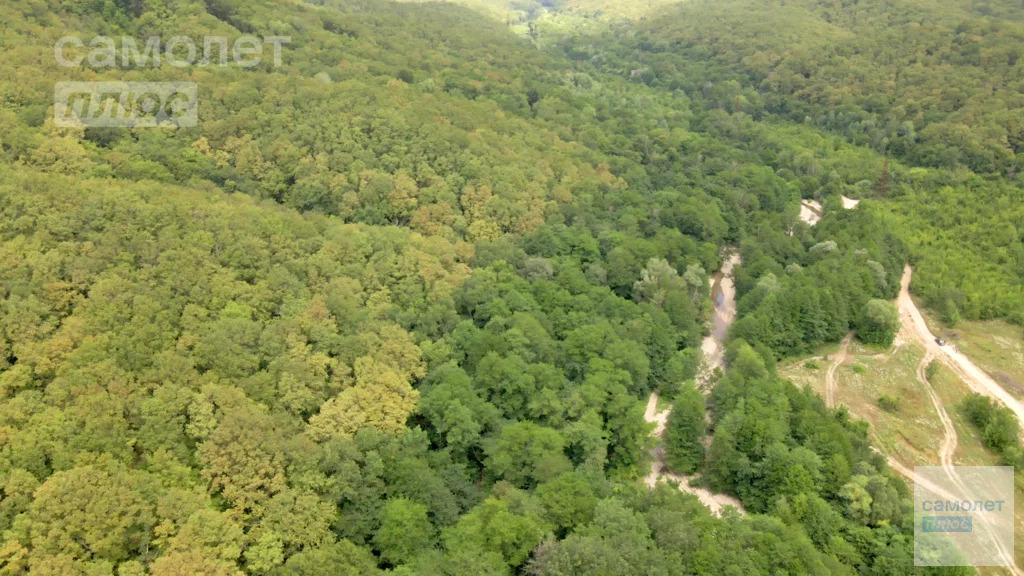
[397, 304]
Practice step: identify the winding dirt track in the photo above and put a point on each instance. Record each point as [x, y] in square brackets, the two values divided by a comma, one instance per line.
[912, 323]
[907, 473]
[949, 439]
[946, 450]
[914, 326]
[830, 376]
[977, 379]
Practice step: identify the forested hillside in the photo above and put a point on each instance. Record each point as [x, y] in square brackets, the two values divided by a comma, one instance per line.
[396, 304]
[934, 83]
[929, 93]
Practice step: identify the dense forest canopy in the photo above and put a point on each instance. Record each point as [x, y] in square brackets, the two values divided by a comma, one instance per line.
[929, 95]
[397, 304]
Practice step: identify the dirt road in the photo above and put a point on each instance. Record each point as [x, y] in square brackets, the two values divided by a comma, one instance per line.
[908, 473]
[942, 492]
[913, 325]
[651, 415]
[723, 294]
[946, 450]
[830, 376]
[949, 439]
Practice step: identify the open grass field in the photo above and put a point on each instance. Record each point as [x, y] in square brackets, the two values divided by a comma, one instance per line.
[971, 452]
[969, 449]
[998, 348]
[995, 345]
[911, 432]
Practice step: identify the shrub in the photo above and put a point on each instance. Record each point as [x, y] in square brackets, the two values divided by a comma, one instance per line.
[998, 424]
[888, 403]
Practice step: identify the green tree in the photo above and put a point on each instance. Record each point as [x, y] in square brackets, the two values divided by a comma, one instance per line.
[525, 453]
[569, 500]
[342, 558]
[90, 513]
[492, 526]
[685, 431]
[404, 531]
[878, 323]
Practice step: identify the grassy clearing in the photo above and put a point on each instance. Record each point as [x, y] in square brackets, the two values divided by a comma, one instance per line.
[912, 433]
[969, 449]
[998, 348]
[994, 345]
[800, 375]
[971, 452]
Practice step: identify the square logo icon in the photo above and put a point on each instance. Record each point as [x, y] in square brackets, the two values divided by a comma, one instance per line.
[963, 516]
[126, 104]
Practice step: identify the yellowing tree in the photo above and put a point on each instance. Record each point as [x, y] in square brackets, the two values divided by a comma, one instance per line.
[381, 398]
[89, 514]
[194, 562]
[242, 458]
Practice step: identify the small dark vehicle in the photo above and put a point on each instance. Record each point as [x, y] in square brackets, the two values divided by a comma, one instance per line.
[940, 341]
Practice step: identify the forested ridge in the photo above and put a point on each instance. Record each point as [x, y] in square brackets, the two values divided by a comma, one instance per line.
[928, 93]
[396, 305]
